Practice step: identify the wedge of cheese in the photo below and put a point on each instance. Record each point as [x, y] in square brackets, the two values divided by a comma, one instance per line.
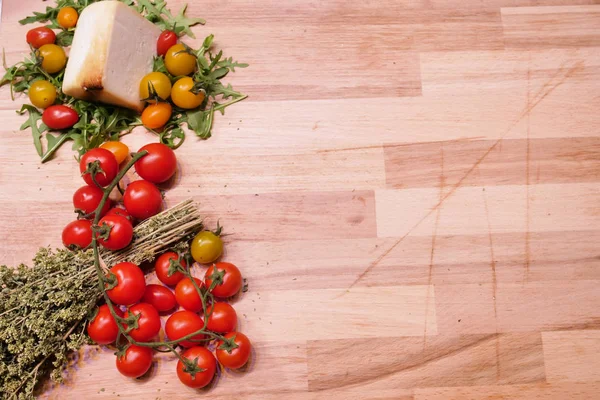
[112, 50]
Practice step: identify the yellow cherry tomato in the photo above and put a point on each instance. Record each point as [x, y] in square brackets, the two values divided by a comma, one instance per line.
[53, 58]
[159, 81]
[178, 61]
[42, 94]
[206, 247]
[155, 116]
[181, 95]
[67, 17]
[119, 149]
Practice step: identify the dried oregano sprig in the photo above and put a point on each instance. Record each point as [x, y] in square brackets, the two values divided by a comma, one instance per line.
[43, 309]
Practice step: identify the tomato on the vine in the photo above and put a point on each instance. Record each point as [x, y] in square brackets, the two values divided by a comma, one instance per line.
[204, 361]
[53, 57]
[87, 198]
[165, 41]
[148, 323]
[37, 37]
[42, 94]
[231, 356]
[206, 247]
[77, 234]
[227, 279]
[158, 165]
[157, 81]
[222, 317]
[187, 296]
[179, 60]
[159, 297]
[130, 284]
[155, 116]
[119, 150]
[136, 361]
[142, 199]
[67, 17]
[120, 232]
[59, 117]
[103, 328]
[107, 163]
[182, 96]
[119, 211]
[162, 265]
[183, 323]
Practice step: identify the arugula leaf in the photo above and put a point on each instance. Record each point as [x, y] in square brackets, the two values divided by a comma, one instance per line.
[36, 131]
[65, 38]
[54, 143]
[157, 12]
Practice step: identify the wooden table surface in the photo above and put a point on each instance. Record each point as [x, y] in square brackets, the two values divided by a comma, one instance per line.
[413, 189]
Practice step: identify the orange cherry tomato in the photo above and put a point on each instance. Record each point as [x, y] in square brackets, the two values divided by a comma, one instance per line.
[155, 116]
[119, 149]
[67, 17]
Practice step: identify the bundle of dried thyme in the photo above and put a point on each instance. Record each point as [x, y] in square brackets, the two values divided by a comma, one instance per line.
[43, 309]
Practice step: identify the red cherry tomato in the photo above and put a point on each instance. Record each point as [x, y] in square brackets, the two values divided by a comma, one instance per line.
[223, 318]
[148, 323]
[120, 235]
[130, 284]
[59, 117]
[237, 357]
[87, 198]
[77, 234]
[187, 295]
[103, 328]
[162, 265]
[227, 278]
[108, 164]
[205, 360]
[159, 297]
[183, 323]
[136, 361]
[142, 199]
[158, 165]
[165, 41]
[37, 37]
[120, 211]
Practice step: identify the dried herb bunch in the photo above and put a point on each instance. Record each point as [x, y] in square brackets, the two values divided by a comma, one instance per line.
[44, 309]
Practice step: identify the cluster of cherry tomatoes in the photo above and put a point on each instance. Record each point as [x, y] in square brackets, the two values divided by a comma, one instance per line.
[141, 198]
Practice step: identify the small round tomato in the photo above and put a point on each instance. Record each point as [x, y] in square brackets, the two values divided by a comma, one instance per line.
[206, 247]
[183, 323]
[59, 117]
[179, 60]
[142, 199]
[158, 165]
[165, 41]
[103, 328]
[182, 95]
[108, 164]
[222, 317]
[87, 198]
[162, 265]
[155, 116]
[204, 360]
[119, 211]
[42, 94]
[37, 37]
[77, 234]
[226, 278]
[136, 361]
[120, 234]
[67, 17]
[131, 284]
[53, 57]
[159, 297]
[231, 356]
[157, 81]
[187, 296]
[148, 323]
[119, 150]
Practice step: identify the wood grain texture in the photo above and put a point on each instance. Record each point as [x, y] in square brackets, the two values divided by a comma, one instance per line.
[412, 191]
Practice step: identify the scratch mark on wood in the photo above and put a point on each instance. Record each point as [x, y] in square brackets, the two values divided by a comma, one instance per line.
[528, 155]
[548, 88]
[433, 239]
[391, 145]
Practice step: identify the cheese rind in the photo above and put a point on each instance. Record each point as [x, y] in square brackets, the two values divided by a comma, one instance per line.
[113, 48]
